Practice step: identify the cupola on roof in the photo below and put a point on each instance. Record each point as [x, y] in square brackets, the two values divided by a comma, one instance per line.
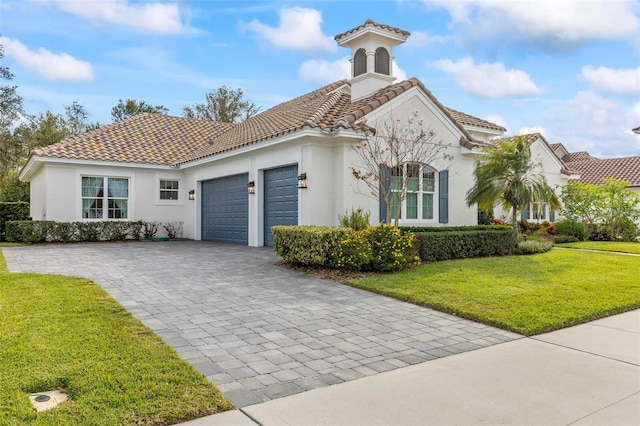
[371, 47]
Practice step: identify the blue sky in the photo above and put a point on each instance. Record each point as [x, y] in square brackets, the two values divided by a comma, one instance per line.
[567, 68]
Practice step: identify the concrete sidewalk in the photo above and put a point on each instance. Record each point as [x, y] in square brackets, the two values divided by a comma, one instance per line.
[584, 375]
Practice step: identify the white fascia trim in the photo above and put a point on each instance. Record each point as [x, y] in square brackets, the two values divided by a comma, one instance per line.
[479, 129]
[315, 132]
[36, 160]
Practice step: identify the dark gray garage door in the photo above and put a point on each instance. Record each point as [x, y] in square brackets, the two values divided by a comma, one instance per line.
[280, 199]
[225, 209]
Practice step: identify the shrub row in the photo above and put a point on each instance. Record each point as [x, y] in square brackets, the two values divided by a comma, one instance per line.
[467, 228]
[12, 211]
[437, 246]
[28, 231]
[379, 248]
[386, 248]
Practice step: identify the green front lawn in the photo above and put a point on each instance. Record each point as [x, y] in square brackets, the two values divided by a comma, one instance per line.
[525, 294]
[58, 331]
[605, 246]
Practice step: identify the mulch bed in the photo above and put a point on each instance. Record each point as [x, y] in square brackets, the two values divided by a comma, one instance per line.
[333, 274]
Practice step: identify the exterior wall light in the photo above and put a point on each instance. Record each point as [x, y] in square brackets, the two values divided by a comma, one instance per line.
[251, 187]
[302, 180]
[192, 194]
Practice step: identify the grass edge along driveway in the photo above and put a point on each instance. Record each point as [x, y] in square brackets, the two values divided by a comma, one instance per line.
[58, 331]
[525, 294]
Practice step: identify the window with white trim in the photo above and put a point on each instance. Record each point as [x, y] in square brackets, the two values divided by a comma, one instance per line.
[105, 197]
[538, 211]
[169, 189]
[420, 185]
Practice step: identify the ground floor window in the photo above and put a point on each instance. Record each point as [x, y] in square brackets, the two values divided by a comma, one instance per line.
[539, 212]
[169, 189]
[420, 185]
[105, 197]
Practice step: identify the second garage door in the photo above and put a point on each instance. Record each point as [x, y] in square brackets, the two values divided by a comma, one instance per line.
[225, 209]
[280, 199]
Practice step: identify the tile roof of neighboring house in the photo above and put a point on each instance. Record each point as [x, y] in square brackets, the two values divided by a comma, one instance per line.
[370, 23]
[531, 138]
[160, 139]
[555, 146]
[144, 138]
[578, 156]
[594, 170]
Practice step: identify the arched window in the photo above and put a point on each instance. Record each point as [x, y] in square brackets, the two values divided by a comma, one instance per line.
[359, 62]
[419, 185]
[382, 61]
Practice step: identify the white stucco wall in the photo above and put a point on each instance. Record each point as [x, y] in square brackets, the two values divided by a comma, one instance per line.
[415, 109]
[56, 192]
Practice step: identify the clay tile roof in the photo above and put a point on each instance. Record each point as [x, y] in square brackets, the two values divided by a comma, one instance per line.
[316, 109]
[555, 146]
[329, 107]
[594, 170]
[469, 120]
[370, 23]
[578, 156]
[144, 138]
[166, 140]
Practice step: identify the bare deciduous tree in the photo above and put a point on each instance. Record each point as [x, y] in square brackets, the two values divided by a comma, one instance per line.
[383, 154]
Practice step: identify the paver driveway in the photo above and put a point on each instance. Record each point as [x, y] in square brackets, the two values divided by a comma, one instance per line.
[257, 330]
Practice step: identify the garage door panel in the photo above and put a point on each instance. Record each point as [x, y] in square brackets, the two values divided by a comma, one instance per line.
[225, 209]
[280, 199]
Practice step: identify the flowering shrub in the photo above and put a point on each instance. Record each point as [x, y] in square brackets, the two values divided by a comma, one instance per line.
[498, 221]
[377, 248]
[355, 251]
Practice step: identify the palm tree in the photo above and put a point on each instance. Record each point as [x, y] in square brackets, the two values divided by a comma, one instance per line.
[506, 175]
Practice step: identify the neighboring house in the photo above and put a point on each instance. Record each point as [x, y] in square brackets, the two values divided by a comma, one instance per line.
[556, 171]
[287, 165]
[595, 170]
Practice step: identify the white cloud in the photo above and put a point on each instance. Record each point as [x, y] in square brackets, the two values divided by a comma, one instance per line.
[157, 18]
[398, 72]
[52, 66]
[489, 80]
[532, 129]
[299, 29]
[621, 81]
[547, 21]
[419, 39]
[322, 71]
[590, 122]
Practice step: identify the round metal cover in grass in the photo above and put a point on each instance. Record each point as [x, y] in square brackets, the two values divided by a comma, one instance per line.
[42, 398]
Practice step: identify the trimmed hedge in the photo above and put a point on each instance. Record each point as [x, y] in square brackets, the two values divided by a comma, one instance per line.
[12, 211]
[32, 231]
[308, 245]
[468, 228]
[439, 245]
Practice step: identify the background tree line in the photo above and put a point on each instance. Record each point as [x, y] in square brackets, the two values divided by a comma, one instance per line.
[21, 132]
